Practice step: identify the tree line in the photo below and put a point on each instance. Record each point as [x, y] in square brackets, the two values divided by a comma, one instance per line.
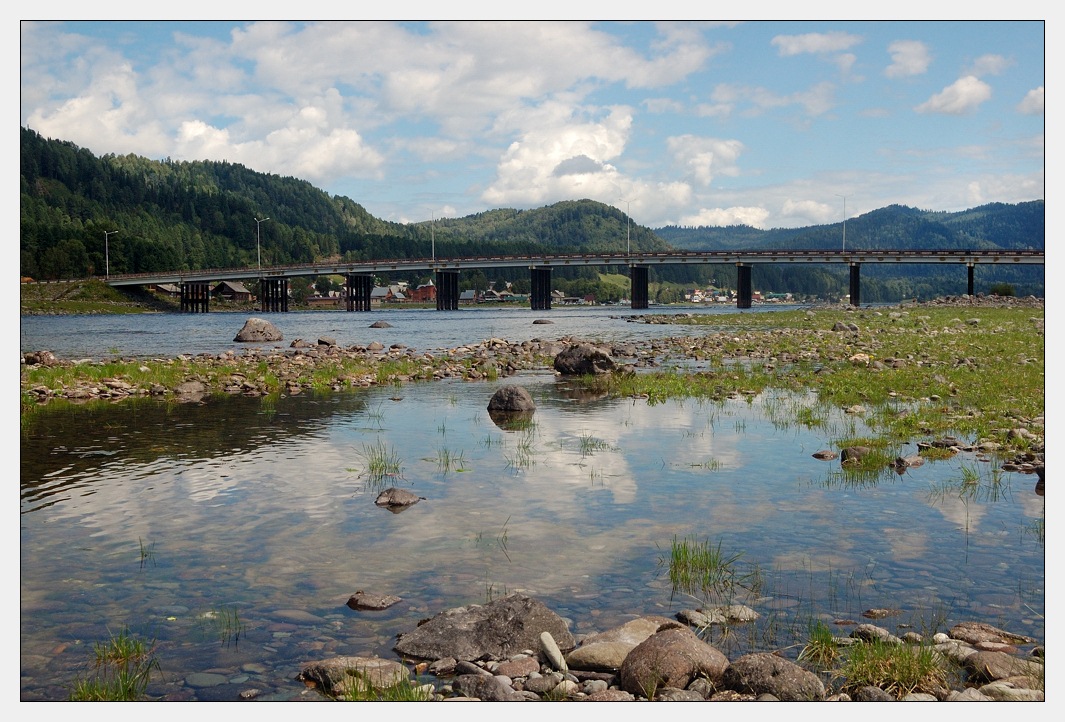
[83, 215]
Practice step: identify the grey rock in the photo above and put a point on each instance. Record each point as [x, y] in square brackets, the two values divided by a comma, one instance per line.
[991, 666]
[763, 672]
[552, 654]
[370, 601]
[512, 399]
[258, 329]
[607, 650]
[672, 657]
[495, 630]
[393, 497]
[489, 689]
[337, 675]
[974, 632]
[870, 693]
[583, 359]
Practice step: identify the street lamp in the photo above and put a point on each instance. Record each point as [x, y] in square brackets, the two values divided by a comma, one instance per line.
[844, 221]
[258, 248]
[432, 233]
[107, 254]
[628, 242]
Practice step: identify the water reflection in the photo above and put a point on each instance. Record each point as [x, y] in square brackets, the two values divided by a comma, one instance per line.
[267, 509]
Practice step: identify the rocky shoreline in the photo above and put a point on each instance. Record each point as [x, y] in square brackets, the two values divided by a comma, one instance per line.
[516, 649]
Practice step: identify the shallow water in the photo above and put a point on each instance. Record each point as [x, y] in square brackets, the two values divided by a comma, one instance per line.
[154, 518]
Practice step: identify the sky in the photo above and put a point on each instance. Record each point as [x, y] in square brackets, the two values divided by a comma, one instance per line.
[767, 123]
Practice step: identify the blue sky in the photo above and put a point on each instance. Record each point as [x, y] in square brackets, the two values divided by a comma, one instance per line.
[769, 123]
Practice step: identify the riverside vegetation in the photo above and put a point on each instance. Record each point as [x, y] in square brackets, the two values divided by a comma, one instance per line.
[960, 372]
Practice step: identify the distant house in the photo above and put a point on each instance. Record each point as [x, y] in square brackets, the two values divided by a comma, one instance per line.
[167, 289]
[231, 291]
[386, 294]
[469, 296]
[423, 293]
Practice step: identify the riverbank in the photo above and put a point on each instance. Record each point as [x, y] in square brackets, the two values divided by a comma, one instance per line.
[923, 373]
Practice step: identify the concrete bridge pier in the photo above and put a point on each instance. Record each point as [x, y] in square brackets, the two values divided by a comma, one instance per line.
[447, 290]
[972, 286]
[638, 286]
[540, 298]
[856, 284]
[273, 294]
[743, 286]
[195, 296]
[358, 286]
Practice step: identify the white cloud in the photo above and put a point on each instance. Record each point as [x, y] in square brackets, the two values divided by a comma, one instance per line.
[736, 216]
[963, 96]
[814, 211]
[701, 158]
[528, 172]
[1032, 103]
[908, 57]
[819, 43]
[989, 65]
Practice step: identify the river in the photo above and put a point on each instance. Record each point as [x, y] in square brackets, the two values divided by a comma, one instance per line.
[233, 532]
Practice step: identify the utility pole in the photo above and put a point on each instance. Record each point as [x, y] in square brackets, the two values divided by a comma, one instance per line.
[107, 254]
[258, 248]
[844, 221]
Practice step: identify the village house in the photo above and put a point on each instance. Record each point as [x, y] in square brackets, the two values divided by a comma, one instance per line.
[231, 291]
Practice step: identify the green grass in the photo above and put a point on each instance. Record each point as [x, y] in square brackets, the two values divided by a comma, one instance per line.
[898, 669]
[820, 649]
[360, 689]
[698, 567]
[122, 669]
[380, 462]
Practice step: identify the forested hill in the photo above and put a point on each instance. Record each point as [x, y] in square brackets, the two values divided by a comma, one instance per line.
[991, 226]
[167, 215]
[190, 215]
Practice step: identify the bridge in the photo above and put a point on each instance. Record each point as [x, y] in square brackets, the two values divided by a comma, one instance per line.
[273, 280]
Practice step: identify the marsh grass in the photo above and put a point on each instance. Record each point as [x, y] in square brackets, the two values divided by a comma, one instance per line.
[360, 689]
[122, 669]
[448, 461]
[380, 462]
[498, 541]
[898, 669]
[590, 444]
[699, 568]
[820, 649]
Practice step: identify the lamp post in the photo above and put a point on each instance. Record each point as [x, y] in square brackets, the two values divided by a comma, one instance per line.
[844, 221]
[628, 242]
[432, 233]
[107, 253]
[258, 248]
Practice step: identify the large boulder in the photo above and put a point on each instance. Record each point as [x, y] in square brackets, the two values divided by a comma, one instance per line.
[338, 676]
[672, 657]
[258, 329]
[512, 399]
[496, 630]
[766, 673]
[606, 651]
[582, 359]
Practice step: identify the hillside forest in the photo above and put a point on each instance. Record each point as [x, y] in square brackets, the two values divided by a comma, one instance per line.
[83, 216]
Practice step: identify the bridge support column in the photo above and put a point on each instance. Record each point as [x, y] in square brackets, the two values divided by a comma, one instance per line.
[540, 298]
[743, 286]
[447, 290]
[195, 296]
[358, 287]
[273, 294]
[856, 284]
[972, 285]
[638, 286]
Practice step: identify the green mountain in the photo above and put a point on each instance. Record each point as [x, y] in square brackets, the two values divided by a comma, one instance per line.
[82, 215]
